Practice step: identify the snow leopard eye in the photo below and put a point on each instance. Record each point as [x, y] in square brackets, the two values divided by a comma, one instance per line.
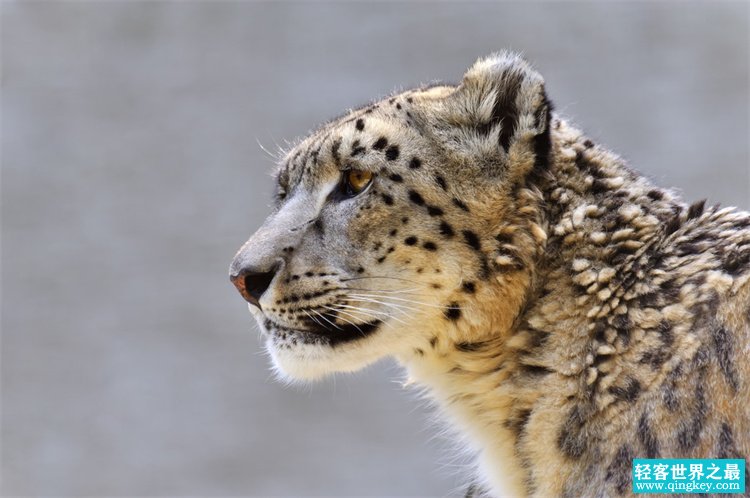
[355, 181]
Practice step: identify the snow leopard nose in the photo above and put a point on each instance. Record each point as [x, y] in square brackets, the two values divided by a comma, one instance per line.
[252, 282]
[269, 249]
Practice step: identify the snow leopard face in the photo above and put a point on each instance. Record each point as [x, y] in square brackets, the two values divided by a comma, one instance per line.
[395, 223]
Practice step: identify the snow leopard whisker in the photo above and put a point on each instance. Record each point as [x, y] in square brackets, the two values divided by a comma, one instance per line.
[386, 291]
[313, 319]
[321, 315]
[400, 307]
[403, 300]
[385, 277]
[371, 313]
[338, 315]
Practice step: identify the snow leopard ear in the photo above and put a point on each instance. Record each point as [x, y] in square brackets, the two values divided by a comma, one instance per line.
[499, 112]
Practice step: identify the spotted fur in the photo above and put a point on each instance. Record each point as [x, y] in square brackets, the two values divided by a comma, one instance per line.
[566, 314]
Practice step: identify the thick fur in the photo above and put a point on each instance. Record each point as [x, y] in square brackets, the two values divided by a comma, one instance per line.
[566, 314]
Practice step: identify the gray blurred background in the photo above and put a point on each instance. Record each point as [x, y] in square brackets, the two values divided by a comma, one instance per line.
[132, 171]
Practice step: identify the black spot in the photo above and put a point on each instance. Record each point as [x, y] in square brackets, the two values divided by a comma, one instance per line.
[655, 358]
[469, 347]
[415, 163]
[441, 182]
[504, 238]
[393, 232]
[446, 229]
[410, 241]
[588, 143]
[484, 267]
[655, 195]
[357, 150]
[724, 348]
[461, 205]
[318, 225]
[433, 341]
[419, 352]
[584, 164]
[360, 270]
[392, 153]
[472, 239]
[726, 442]
[572, 439]
[404, 220]
[517, 422]
[534, 370]
[543, 140]
[396, 178]
[309, 274]
[619, 470]
[600, 332]
[673, 224]
[688, 437]
[647, 437]
[504, 112]
[434, 211]
[469, 287]
[736, 261]
[453, 312]
[696, 209]
[360, 125]
[335, 151]
[430, 246]
[381, 259]
[669, 395]
[665, 331]
[416, 198]
[398, 106]
[537, 338]
[599, 186]
[380, 143]
[387, 199]
[629, 392]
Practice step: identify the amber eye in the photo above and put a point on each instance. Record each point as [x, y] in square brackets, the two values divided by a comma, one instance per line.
[356, 181]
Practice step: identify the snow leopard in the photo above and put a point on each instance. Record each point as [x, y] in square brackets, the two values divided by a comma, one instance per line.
[564, 313]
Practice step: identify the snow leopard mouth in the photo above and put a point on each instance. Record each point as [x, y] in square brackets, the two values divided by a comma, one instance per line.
[315, 333]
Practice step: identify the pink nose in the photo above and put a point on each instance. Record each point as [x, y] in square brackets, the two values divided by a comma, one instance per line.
[253, 284]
